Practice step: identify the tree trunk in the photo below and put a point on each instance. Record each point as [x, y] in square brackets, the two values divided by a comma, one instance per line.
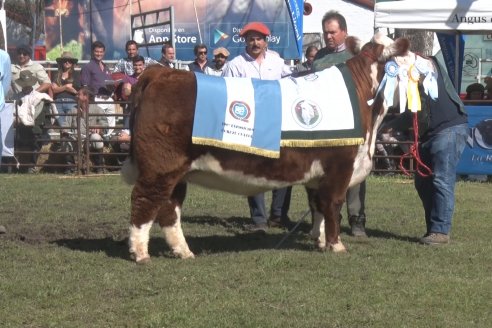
[421, 41]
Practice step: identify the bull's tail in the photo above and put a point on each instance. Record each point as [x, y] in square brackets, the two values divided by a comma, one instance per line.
[129, 171]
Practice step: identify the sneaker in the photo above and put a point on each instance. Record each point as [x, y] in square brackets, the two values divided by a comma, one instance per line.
[358, 225]
[256, 227]
[434, 238]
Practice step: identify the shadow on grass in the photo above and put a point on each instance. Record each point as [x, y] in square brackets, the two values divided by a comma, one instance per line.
[238, 240]
[213, 244]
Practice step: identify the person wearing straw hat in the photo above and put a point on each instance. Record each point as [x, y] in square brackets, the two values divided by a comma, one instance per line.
[259, 62]
[220, 58]
[24, 63]
[65, 85]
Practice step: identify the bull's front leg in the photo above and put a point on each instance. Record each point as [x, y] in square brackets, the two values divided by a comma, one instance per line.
[326, 225]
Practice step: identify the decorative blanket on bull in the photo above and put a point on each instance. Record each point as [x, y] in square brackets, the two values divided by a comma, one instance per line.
[259, 116]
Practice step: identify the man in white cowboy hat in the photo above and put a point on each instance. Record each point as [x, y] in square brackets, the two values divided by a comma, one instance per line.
[24, 63]
[259, 62]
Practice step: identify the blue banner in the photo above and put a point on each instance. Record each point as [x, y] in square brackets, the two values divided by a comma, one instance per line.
[448, 48]
[477, 156]
[296, 10]
[216, 23]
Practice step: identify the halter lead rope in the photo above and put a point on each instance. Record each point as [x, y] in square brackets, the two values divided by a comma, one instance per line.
[421, 169]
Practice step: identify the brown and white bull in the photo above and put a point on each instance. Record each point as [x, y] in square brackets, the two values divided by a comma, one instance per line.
[163, 158]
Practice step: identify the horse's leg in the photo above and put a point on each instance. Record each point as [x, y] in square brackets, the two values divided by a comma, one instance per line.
[169, 218]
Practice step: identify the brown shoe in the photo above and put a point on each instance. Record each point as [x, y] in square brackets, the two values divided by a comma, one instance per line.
[434, 238]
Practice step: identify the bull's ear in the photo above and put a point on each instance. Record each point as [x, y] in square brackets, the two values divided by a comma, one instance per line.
[352, 44]
[382, 38]
[401, 46]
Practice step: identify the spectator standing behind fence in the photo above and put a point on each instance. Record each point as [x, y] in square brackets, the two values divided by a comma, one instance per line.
[220, 58]
[97, 76]
[125, 89]
[5, 77]
[200, 63]
[28, 76]
[125, 65]
[310, 53]
[334, 33]
[24, 63]
[65, 85]
[92, 128]
[258, 62]
[443, 131]
[168, 55]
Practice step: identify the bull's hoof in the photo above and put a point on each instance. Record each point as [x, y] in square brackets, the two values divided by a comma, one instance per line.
[320, 245]
[144, 261]
[338, 248]
[184, 255]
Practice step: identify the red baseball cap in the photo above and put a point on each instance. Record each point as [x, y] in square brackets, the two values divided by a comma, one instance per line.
[255, 26]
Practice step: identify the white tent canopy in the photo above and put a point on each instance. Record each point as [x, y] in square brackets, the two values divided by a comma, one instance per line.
[435, 15]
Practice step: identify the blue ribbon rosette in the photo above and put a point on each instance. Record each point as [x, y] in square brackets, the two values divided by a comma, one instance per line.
[388, 83]
[425, 67]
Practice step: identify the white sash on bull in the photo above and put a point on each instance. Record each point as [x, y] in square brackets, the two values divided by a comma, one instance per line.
[258, 116]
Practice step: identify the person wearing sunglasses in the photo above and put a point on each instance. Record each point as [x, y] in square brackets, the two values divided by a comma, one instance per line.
[29, 80]
[200, 64]
[24, 62]
[65, 85]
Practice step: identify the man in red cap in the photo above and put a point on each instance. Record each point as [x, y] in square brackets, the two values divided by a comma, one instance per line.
[259, 62]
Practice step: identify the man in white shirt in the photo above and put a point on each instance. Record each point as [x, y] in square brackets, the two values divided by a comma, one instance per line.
[259, 62]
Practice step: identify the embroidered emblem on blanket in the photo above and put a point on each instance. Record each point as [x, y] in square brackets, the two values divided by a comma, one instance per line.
[258, 116]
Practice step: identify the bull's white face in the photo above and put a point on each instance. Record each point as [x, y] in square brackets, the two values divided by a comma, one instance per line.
[363, 160]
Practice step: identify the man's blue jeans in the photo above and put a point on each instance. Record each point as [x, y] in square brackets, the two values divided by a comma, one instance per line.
[441, 153]
[279, 208]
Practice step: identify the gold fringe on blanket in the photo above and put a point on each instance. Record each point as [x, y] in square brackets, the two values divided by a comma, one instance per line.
[322, 143]
[236, 147]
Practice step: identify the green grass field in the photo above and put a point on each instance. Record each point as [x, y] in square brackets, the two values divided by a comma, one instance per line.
[64, 262]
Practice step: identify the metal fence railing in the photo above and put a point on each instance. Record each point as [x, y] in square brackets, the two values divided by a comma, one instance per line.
[47, 147]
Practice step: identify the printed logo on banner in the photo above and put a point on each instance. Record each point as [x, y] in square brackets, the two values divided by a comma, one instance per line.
[230, 33]
[219, 36]
[240, 110]
[306, 113]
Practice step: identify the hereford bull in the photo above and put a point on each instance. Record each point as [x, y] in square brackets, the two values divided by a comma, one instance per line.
[163, 158]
